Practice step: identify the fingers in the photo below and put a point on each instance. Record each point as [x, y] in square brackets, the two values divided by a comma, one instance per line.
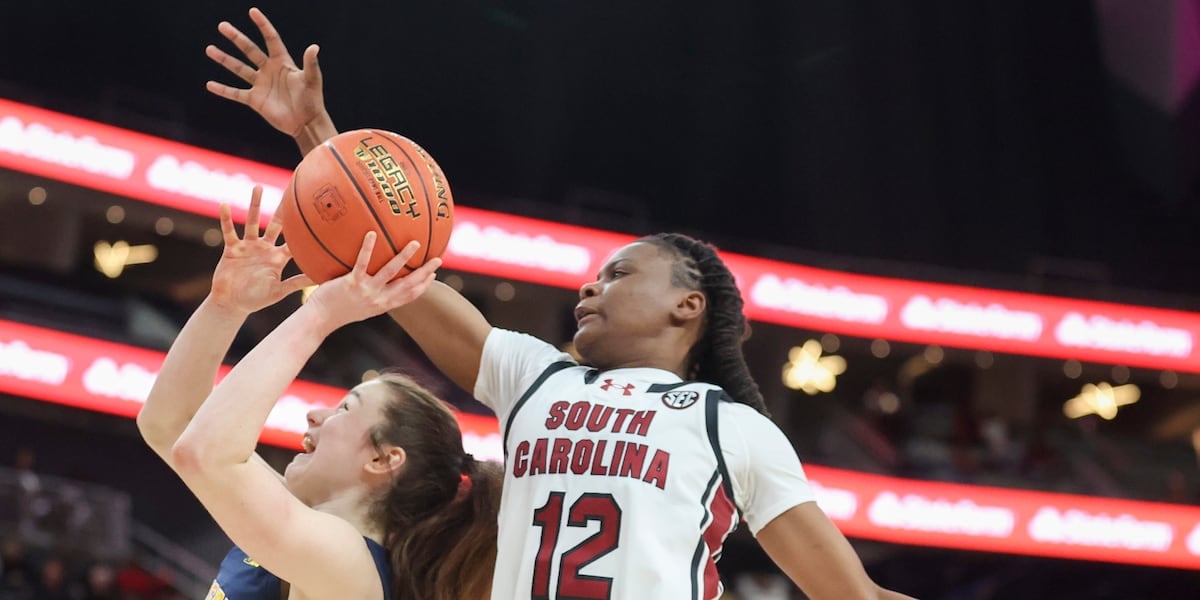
[275, 227]
[396, 264]
[228, 233]
[411, 287]
[231, 64]
[229, 93]
[312, 70]
[364, 255]
[295, 283]
[273, 230]
[251, 50]
[252, 215]
[275, 46]
[427, 270]
[414, 284]
[407, 252]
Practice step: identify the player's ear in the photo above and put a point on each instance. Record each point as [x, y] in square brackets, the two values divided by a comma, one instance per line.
[388, 461]
[690, 306]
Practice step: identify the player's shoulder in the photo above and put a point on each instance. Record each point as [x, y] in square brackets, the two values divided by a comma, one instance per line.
[532, 354]
[683, 394]
[507, 340]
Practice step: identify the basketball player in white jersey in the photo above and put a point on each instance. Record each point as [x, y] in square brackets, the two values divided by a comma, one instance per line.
[625, 474]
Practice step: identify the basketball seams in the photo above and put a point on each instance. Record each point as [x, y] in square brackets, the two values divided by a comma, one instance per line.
[324, 232]
[363, 196]
[424, 190]
[304, 219]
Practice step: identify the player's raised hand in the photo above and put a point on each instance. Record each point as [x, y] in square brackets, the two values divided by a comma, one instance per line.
[359, 295]
[249, 275]
[288, 97]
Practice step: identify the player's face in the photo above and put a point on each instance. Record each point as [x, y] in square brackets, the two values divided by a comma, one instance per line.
[631, 300]
[337, 446]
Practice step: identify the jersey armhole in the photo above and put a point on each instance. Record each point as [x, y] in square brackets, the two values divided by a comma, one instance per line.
[712, 402]
[551, 369]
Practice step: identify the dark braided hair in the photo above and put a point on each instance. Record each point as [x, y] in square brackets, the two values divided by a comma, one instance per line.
[717, 357]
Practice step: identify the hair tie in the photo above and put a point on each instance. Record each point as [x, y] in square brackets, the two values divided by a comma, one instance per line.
[464, 487]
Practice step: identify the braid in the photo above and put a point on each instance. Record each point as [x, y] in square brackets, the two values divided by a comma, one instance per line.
[717, 357]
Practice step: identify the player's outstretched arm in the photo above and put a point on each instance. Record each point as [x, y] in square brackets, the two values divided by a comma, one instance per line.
[247, 278]
[817, 557]
[449, 329]
[289, 98]
[320, 554]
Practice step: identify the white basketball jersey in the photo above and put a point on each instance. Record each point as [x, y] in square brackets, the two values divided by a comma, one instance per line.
[621, 479]
[623, 484]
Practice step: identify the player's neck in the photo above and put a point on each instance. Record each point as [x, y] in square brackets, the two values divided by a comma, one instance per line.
[666, 352]
[352, 507]
[649, 360]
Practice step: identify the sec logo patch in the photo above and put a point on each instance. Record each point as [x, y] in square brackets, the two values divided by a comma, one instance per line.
[680, 399]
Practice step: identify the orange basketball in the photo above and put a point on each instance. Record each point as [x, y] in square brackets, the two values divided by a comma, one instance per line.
[360, 181]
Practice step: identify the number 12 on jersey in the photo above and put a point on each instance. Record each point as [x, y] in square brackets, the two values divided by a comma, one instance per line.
[589, 507]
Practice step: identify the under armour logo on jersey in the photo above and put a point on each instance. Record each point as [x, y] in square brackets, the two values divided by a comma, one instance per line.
[680, 399]
[626, 390]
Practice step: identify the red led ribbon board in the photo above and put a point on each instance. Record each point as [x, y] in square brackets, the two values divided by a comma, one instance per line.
[97, 375]
[107, 377]
[184, 177]
[969, 517]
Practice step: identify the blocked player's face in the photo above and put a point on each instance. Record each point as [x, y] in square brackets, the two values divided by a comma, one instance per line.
[630, 302]
[337, 445]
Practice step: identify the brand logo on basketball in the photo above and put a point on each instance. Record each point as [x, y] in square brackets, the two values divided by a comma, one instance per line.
[390, 175]
[680, 399]
[329, 204]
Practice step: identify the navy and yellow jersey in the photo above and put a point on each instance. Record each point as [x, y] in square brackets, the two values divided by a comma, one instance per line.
[241, 578]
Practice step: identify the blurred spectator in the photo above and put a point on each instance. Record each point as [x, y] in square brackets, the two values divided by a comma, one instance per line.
[1042, 462]
[1178, 489]
[16, 576]
[762, 586]
[135, 582]
[53, 584]
[101, 583]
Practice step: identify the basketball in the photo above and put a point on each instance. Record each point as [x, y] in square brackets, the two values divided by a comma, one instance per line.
[360, 181]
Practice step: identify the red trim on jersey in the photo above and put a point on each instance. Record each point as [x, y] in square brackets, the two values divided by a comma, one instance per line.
[724, 518]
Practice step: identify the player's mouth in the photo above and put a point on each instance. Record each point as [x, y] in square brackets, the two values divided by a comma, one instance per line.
[309, 443]
[583, 312]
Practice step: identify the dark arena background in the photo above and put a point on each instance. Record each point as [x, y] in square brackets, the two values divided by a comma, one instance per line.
[967, 232]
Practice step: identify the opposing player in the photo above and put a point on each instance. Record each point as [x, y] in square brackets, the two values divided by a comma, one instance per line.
[624, 475]
[382, 504]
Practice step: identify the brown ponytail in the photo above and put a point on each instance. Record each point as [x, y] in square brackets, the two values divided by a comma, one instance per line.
[439, 513]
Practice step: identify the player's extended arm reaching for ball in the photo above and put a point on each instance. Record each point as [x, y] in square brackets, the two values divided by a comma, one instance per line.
[247, 279]
[288, 97]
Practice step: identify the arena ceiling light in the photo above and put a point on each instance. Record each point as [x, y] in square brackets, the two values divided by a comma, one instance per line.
[808, 371]
[1101, 399]
[111, 259]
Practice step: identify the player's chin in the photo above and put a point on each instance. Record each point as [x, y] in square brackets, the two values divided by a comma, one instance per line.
[585, 339]
[296, 466]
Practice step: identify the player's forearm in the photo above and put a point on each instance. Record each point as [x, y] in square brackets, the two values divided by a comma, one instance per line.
[890, 595]
[187, 374]
[226, 429]
[315, 132]
[450, 331]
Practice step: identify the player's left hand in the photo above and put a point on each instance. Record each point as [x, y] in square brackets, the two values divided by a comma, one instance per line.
[249, 275]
